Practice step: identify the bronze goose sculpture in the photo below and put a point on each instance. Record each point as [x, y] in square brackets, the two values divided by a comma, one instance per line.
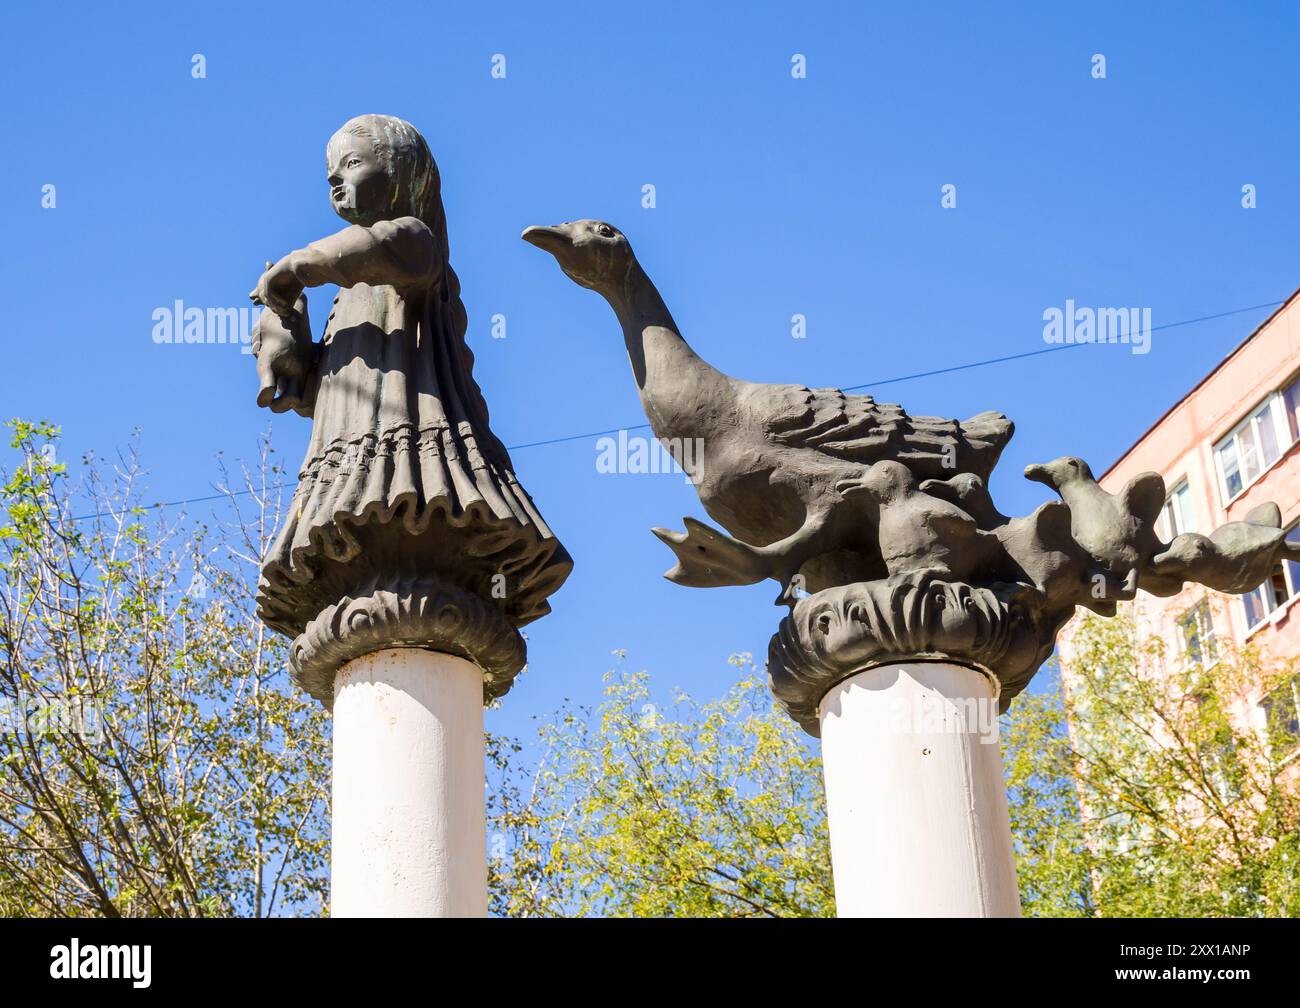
[780, 462]
[885, 519]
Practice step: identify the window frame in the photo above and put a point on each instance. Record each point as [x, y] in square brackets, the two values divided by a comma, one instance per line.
[1165, 527]
[1293, 685]
[1291, 580]
[1284, 436]
[1207, 648]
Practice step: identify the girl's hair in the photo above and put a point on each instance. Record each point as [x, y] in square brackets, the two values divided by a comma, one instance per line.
[417, 192]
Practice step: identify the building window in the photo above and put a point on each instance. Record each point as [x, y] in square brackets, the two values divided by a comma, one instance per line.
[1292, 567]
[1282, 716]
[1196, 635]
[1257, 443]
[1291, 400]
[1176, 515]
[1277, 589]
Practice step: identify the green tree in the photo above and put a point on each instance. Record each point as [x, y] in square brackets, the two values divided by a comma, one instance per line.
[154, 759]
[1135, 794]
[702, 810]
[1182, 805]
[1053, 862]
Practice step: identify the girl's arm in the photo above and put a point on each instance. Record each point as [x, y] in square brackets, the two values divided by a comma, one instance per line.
[400, 252]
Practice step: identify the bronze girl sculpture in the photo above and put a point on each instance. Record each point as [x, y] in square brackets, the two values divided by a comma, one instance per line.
[408, 525]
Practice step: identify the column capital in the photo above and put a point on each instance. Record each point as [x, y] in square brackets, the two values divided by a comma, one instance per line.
[421, 612]
[834, 634]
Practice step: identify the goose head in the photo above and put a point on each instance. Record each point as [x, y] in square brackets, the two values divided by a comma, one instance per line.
[1060, 472]
[591, 253]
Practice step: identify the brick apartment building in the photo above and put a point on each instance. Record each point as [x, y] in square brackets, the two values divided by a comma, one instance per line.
[1228, 445]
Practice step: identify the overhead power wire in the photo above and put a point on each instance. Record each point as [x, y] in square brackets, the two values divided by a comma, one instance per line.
[845, 388]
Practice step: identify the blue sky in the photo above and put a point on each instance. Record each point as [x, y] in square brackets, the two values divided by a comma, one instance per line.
[775, 196]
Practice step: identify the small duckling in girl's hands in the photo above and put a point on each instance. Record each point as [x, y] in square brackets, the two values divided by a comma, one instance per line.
[286, 358]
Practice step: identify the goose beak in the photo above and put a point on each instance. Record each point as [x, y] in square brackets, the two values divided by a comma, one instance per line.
[548, 239]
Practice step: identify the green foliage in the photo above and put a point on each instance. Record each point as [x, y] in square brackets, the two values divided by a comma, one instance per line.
[1053, 863]
[704, 810]
[1137, 793]
[154, 760]
[1179, 806]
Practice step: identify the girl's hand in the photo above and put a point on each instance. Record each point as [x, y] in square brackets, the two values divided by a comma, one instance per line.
[278, 288]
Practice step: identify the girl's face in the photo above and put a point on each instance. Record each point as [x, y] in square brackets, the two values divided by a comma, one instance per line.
[360, 190]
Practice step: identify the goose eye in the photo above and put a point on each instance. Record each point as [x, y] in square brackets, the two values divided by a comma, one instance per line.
[605, 231]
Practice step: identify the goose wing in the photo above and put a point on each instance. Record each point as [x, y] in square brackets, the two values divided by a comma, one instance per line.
[1144, 496]
[858, 429]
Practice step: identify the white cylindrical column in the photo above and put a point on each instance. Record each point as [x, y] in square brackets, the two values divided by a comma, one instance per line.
[409, 835]
[915, 797]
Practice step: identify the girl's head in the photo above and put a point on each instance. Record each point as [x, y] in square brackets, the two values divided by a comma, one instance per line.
[380, 168]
